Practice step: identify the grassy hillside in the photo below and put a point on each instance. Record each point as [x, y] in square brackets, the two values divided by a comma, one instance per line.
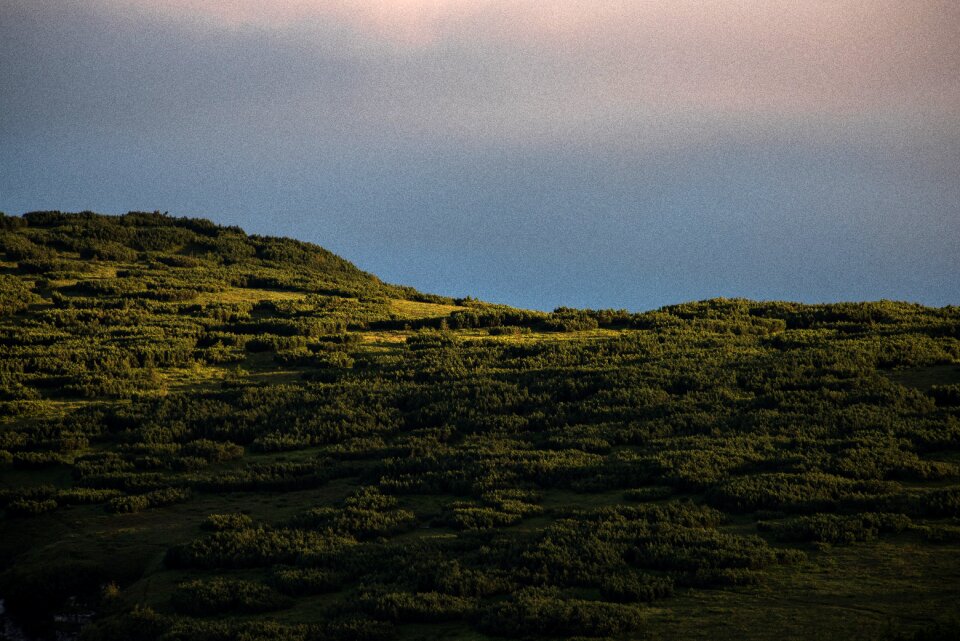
[209, 435]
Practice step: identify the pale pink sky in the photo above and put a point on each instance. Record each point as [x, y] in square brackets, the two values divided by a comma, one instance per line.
[765, 56]
[407, 21]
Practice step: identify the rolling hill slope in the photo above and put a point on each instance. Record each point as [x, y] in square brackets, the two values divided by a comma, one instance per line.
[210, 435]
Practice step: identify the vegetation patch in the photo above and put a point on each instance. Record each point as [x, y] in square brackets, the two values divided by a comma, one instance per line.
[211, 435]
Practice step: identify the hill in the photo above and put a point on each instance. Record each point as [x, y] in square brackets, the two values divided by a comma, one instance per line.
[210, 435]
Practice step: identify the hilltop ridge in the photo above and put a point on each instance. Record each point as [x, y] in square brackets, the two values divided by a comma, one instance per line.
[147, 237]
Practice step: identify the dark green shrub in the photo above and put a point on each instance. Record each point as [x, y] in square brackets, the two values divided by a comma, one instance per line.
[304, 581]
[157, 498]
[235, 521]
[420, 607]
[835, 528]
[633, 588]
[535, 612]
[207, 597]
[28, 507]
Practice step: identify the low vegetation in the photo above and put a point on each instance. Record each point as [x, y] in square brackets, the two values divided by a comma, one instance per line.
[210, 435]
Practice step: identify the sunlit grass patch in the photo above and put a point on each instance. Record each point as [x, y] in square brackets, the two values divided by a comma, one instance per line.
[244, 295]
[413, 310]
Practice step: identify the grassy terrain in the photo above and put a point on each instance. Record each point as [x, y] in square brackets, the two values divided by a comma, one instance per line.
[210, 435]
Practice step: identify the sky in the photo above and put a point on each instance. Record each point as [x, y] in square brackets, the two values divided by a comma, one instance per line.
[590, 153]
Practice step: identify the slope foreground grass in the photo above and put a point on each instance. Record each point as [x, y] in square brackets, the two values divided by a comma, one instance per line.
[208, 435]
